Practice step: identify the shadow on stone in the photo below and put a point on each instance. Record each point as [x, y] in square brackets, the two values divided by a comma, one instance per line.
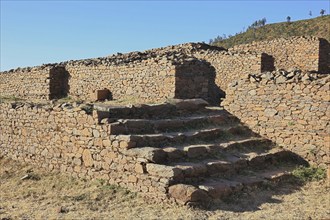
[196, 79]
[267, 63]
[324, 56]
[58, 82]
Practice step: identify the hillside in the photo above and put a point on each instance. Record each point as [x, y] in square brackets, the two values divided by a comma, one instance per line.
[319, 27]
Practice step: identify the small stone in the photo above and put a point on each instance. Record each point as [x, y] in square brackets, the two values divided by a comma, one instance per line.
[85, 132]
[139, 168]
[281, 79]
[132, 179]
[96, 133]
[77, 161]
[62, 209]
[270, 112]
[87, 158]
[127, 144]
[106, 143]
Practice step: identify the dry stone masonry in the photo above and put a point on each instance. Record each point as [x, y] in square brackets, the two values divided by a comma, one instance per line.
[156, 75]
[290, 108]
[305, 53]
[183, 148]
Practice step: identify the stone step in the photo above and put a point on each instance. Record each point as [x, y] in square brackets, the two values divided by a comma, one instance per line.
[146, 111]
[230, 165]
[213, 189]
[199, 151]
[146, 126]
[215, 150]
[173, 138]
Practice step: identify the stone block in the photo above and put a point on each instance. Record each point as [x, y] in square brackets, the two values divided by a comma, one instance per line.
[163, 170]
[185, 194]
[87, 158]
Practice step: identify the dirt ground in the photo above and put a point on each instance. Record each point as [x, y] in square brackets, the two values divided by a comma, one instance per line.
[27, 192]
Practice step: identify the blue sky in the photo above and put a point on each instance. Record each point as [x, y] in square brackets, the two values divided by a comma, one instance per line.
[37, 32]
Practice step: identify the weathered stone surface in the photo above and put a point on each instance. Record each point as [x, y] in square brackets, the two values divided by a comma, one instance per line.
[288, 113]
[106, 143]
[219, 190]
[163, 170]
[270, 112]
[139, 168]
[187, 193]
[190, 104]
[195, 151]
[173, 153]
[150, 153]
[127, 144]
[87, 158]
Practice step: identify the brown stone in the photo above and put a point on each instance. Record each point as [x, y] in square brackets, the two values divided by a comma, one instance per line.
[163, 170]
[85, 132]
[87, 158]
[96, 133]
[127, 144]
[106, 143]
[132, 179]
[184, 194]
[139, 168]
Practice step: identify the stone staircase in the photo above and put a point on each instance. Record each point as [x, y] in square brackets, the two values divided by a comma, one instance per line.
[199, 153]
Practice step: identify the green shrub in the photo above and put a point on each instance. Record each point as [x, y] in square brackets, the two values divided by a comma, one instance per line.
[309, 173]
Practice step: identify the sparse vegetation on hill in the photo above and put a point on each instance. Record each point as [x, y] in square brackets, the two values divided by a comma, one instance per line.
[318, 27]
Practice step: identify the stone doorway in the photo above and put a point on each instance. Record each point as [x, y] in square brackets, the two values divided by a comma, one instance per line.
[58, 83]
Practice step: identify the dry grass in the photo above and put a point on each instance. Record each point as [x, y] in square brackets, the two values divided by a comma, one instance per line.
[55, 196]
[318, 27]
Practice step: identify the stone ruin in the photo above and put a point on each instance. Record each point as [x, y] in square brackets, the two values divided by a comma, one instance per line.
[276, 109]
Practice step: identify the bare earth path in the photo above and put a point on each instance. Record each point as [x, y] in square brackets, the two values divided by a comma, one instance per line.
[43, 195]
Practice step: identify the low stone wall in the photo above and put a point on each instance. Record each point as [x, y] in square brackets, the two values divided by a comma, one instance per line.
[192, 70]
[144, 81]
[69, 139]
[305, 53]
[152, 76]
[290, 108]
[231, 66]
[149, 80]
[162, 73]
[32, 83]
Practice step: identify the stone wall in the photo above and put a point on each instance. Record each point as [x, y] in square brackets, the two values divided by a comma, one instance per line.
[232, 66]
[162, 73]
[305, 53]
[155, 79]
[290, 108]
[145, 81]
[153, 75]
[31, 83]
[68, 138]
